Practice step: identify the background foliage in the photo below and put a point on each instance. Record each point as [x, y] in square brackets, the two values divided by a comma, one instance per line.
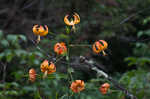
[123, 24]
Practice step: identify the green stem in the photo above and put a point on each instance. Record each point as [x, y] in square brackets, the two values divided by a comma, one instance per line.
[110, 90]
[68, 59]
[39, 96]
[56, 95]
[79, 45]
[52, 33]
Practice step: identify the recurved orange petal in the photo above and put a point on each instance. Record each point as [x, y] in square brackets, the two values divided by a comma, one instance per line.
[76, 18]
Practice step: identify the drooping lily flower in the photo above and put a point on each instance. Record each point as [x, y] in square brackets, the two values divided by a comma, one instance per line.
[60, 48]
[72, 22]
[99, 46]
[47, 68]
[104, 88]
[40, 31]
[77, 86]
[32, 74]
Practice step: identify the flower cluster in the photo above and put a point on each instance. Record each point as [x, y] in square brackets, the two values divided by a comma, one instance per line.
[60, 48]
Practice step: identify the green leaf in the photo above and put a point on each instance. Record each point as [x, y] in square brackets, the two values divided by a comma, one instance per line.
[131, 60]
[20, 52]
[62, 36]
[2, 55]
[36, 62]
[22, 37]
[11, 92]
[2, 85]
[18, 75]
[139, 44]
[4, 43]
[146, 20]
[9, 55]
[15, 84]
[29, 88]
[39, 54]
[67, 30]
[12, 38]
[147, 32]
[143, 60]
[140, 33]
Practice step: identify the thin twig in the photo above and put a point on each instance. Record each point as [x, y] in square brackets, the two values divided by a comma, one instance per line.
[41, 49]
[126, 19]
[58, 59]
[29, 5]
[4, 71]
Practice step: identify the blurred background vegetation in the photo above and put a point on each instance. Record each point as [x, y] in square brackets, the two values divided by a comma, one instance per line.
[124, 24]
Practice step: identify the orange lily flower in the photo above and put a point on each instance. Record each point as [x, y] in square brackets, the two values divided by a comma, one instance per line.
[77, 86]
[60, 48]
[99, 46]
[47, 69]
[32, 74]
[74, 21]
[104, 88]
[40, 31]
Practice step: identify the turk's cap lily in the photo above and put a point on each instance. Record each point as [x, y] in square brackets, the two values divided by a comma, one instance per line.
[72, 22]
[60, 48]
[48, 68]
[100, 46]
[40, 30]
[77, 86]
